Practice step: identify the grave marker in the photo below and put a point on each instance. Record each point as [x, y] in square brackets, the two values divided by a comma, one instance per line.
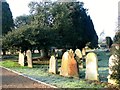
[53, 65]
[78, 53]
[21, 60]
[92, 67]
[29, 58]
[78, 57]
[83, 52]
[69, 65]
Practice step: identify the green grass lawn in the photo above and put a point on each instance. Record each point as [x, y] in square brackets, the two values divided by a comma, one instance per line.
[40, 72]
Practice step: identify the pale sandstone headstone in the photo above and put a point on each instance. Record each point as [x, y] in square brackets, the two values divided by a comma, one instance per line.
[53, 65]
[92, 67]
[69, 65]
[78, 53]
[78, 57]
[83, 52]
[111, 64]
[29, 58]
[21, 60]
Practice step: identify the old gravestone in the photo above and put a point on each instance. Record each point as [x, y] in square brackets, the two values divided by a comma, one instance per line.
[91, 66]
[53, 65]
[111, 64]
[83, 52]
[21, 60]
[78, 57]
[78, 53]
[29, 58]
[69, 65]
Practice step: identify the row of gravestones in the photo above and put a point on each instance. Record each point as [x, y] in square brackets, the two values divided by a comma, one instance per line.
[69, 66]
[27, 57]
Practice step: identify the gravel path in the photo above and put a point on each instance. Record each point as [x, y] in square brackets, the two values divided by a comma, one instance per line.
[13, 80]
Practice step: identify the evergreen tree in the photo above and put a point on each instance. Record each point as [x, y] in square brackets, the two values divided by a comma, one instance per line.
[63, 25]
[7, 19]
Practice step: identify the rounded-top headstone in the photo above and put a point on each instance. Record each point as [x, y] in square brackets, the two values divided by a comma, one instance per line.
[78, 53]
[91, 66]
[53, 65]
[29, 58]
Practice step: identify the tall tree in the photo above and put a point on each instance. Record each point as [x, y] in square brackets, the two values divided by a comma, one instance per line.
[64, 25]
[23, 20]
[74, 26]
[7, 19]
[19, 39]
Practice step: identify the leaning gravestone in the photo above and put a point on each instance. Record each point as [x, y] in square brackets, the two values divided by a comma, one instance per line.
[78, 57]
[53, 65]
[91, 66]
[69, 65]
[21, 60]
[111, 64]
[29, 58]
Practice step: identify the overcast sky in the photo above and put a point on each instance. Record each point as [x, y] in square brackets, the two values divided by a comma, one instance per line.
[104, 13]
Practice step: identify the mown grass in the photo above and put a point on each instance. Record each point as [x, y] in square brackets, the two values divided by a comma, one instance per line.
[40, 72]
[9, 64]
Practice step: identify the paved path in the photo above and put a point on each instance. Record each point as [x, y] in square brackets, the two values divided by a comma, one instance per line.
[13, 80]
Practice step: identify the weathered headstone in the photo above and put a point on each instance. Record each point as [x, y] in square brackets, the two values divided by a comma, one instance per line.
[92, 67]
[29, 58]
[78, 53]
[83, 52]
[78, 57]
[21, 60]
[69, 65]
[111, 64]
[53, 67]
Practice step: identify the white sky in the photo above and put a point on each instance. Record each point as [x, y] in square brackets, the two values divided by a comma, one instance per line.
[104, 13]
